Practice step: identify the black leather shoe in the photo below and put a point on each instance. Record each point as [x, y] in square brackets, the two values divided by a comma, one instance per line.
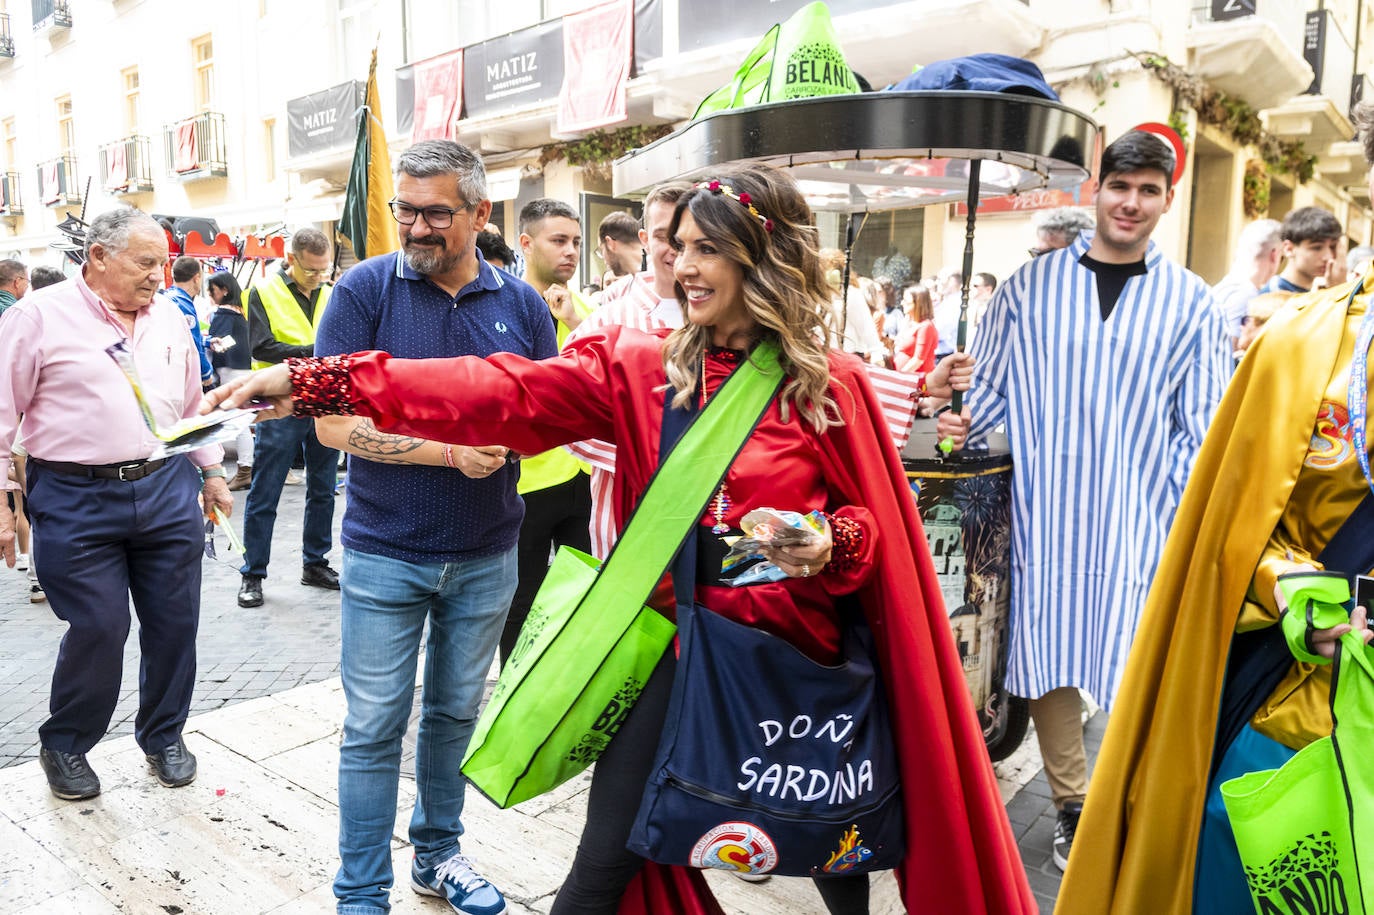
[320, 576]
[250, 592]
[69, 775]
[174, 766]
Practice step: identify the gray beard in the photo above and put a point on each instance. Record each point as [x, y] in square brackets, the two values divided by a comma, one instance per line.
[426, 260]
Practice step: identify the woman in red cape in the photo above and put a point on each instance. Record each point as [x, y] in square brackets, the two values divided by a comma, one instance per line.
[747, 270]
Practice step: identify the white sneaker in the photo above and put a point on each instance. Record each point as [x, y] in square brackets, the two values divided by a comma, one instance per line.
[293, 478]
[21, 562]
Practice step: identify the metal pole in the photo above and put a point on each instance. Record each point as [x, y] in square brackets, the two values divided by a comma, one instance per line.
[975, 169]
[856, 225]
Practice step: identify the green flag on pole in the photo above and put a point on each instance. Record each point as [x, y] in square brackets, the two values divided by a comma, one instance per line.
[365, 220]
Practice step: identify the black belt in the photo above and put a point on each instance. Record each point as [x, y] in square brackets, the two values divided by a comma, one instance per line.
[126, 472]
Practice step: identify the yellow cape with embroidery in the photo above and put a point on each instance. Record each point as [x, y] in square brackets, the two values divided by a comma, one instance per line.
[1136, 845]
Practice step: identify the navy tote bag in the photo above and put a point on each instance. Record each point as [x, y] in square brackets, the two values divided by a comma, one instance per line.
[769, 762]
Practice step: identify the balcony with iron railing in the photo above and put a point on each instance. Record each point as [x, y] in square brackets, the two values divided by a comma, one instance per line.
[11, 204]
[59, 183]
[1250, 49]
[195, 147]
[6, 39]
[51, 14]
[126, 165]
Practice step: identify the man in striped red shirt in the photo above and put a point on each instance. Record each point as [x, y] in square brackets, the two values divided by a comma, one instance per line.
[645, 301]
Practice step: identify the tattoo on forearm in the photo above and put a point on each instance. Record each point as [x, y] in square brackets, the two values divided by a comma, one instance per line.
[382, 447]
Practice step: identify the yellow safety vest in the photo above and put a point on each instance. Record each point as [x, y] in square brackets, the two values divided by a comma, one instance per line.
[288, 322]
[556, 465]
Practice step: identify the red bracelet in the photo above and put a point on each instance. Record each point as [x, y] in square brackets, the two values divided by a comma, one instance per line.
[448, 457]
[321, 386]
[847, 543]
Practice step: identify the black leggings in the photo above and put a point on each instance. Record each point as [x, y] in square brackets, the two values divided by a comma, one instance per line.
[603, 867]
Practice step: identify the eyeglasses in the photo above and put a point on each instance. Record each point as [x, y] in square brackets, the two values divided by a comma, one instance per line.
[1036, 252]
[324, 272]
[435, 217]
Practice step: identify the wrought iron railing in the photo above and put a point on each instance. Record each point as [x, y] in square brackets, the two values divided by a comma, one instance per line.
[126, 165]
[195, 147]
[59, 182]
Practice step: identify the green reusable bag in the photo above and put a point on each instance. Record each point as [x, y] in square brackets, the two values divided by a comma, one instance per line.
[1305, 831]
[799, 58]
[589, 643]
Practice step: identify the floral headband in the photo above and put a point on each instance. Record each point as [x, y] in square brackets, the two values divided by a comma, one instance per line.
[715, 187]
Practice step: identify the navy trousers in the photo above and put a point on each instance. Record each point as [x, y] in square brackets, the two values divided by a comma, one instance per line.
[279, 441]
[96, 543]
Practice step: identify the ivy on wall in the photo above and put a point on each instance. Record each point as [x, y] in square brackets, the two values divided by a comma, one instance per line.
[595, 152]
[1255, 190]
[1234, 117]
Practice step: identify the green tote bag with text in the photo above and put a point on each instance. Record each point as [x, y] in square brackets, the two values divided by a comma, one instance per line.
[589, 643]
[1306, 830]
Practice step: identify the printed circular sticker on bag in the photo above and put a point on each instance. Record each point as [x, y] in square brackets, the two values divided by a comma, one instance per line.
[741, 847]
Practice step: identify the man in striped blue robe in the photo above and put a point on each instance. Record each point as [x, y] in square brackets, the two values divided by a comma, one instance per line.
[1105, 361]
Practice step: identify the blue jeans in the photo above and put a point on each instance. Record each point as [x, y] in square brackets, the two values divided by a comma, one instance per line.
[279, 441]
[385, 604]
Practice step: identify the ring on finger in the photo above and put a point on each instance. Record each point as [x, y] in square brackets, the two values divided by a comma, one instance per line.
[806, 570]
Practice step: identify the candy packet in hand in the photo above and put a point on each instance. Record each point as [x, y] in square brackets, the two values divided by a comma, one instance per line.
[745, 563]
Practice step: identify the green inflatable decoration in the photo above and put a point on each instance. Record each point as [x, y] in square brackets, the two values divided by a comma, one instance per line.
[799, 58]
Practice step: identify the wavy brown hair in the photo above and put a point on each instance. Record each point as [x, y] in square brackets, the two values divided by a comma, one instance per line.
[784, 288]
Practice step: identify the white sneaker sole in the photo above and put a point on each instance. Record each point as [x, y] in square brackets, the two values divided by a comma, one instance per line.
[425, 889]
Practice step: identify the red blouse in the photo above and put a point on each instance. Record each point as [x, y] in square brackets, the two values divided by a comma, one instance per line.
[609, 385]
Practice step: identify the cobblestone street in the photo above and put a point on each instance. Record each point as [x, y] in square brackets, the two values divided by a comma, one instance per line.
[292, 640]
[265, 721]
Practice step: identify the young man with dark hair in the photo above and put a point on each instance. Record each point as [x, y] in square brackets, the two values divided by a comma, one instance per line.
[647, 302]
[1105, 361]
[495, 250]
[186, 285]
[1310, 236]
[555, 485]
[284, 312]
[618, 243]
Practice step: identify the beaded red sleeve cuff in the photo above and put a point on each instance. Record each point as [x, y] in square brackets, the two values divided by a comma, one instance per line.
[847, 536]
[321, 386]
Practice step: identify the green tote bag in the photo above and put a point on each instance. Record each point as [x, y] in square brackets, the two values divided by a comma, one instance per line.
[1306, 830]
[589, 643]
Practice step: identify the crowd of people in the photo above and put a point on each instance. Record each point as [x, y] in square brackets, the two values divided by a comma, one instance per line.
[491, 413]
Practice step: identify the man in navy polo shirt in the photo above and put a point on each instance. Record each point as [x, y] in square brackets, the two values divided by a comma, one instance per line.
[430, 532]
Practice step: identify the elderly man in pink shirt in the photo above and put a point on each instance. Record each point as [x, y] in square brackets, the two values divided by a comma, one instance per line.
[110, 523]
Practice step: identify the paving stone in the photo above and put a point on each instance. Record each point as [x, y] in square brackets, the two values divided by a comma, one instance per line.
[295, 635]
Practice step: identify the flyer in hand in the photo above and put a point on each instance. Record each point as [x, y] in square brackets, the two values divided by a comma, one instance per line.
[191, 432]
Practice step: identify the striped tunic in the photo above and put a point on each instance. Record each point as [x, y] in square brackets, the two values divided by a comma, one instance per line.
[1104, 419]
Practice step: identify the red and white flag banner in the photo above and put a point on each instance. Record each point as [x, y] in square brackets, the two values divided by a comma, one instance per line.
[598, 45]
[438, 97]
